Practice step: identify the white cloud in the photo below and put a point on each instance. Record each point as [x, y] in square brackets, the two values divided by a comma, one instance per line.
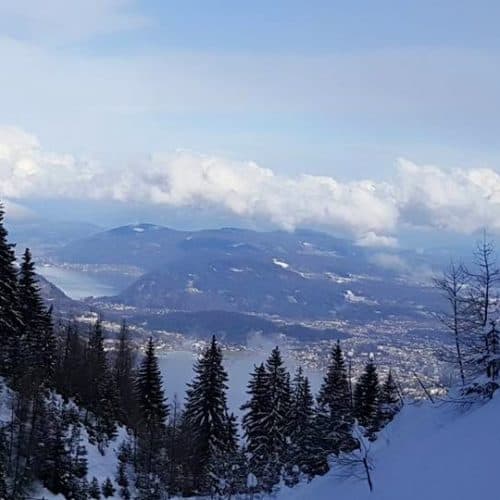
[453, 199]
[457, 199]
[371, 239]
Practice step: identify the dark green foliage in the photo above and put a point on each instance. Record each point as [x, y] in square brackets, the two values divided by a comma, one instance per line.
[149, 394]
[39, 338]
[10, 317]
[366, 400]
[276, 423]
[389, 403]
[100, 395]
[3, 463]
[123, 373]
[206, 419]
[335, 412]
[152, 412]
[266, 421]
[108, 490]
[65, 464]
[96, 368]
[304, 455]
[94, 489]
[71, 371]
[122, 475]
[257, 409]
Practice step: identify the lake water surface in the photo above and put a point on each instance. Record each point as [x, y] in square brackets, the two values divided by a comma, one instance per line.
[77, 284]
[177, 371]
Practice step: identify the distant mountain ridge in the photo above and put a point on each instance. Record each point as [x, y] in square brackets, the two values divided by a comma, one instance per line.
[299, 275]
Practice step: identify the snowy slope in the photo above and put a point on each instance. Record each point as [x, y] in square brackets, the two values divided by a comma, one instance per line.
[99, 466]
[428, 453]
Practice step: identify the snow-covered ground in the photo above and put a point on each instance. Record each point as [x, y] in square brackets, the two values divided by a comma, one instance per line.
[430, 452]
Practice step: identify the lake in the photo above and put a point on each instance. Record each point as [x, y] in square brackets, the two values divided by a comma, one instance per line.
[78, 284]
[177, 371]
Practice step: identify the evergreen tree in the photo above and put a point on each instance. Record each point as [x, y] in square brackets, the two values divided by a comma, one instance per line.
[108, 490]
[206, 419]
[71, 370]
[10, 316]
[95, 367]
[335, 413]
[366, 399]
[257, 408]
[40, 342]
[65, 464]
[176, 446]
[122, 476]
[124, 377]
[389, 399]
[94, 489]
[100, 395]
[151, 426]
[303, 454]
[3, 463]
[276, 421]
[266, 423]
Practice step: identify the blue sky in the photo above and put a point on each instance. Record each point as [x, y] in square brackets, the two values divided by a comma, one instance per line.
[342, 90]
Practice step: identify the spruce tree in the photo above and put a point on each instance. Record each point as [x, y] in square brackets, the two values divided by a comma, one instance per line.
[389, 399]
[40, 342]
[266, 421]
[10, 317]
[276, 422]
[257, 409]
[151, 425]
[304, 456]
[108, 490]
[124, 377]
[3, 463]
[122, 476]
[71, 379]
[100, 393]
[366, 400]
[206, 419]
[65, 464]
[94, 489]
[335, 413]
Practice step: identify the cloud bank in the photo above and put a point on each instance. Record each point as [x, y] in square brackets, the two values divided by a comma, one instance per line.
[460, 200]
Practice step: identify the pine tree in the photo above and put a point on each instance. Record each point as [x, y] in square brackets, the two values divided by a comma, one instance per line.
[151, 426]
[335, 413]
[10, 317]
[108, 490]
[366, 399]
[205, 417]
[389, 399]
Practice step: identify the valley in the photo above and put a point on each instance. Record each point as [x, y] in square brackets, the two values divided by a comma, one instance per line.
[303, 291]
